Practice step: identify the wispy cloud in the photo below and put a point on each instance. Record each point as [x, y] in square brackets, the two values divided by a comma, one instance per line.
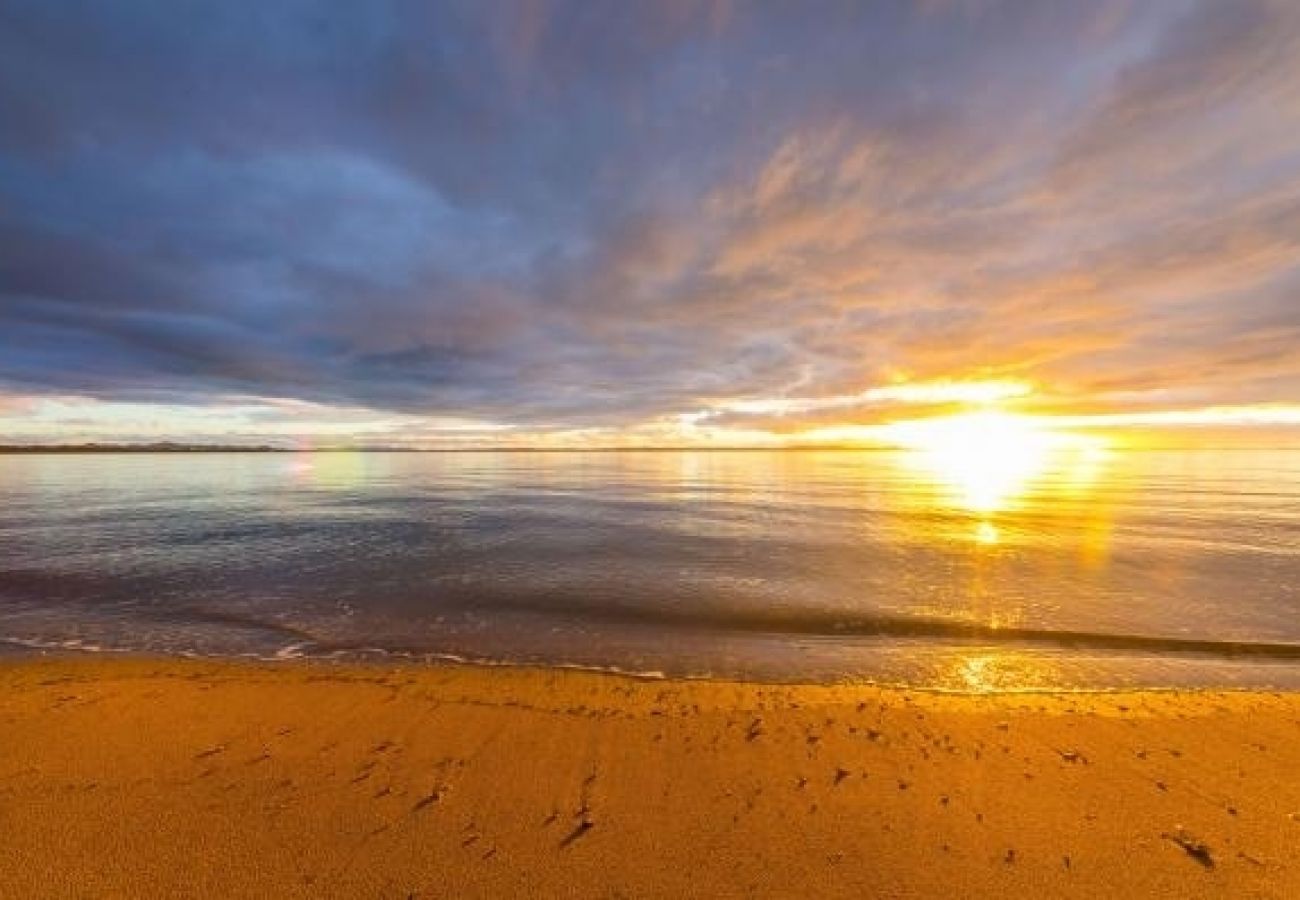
[609, 220]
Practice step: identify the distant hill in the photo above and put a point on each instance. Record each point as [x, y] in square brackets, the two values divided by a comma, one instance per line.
[161, 447]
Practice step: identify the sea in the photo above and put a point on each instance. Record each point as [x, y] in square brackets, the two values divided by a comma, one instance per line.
[1073, 569]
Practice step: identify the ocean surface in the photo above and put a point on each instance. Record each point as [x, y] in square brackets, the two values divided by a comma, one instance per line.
[1076, 568]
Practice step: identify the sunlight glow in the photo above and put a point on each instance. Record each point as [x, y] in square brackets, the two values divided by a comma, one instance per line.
[969, 393]
[986, 459]
[1258, 414]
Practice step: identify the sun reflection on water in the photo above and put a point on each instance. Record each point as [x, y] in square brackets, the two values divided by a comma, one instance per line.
[993, 671]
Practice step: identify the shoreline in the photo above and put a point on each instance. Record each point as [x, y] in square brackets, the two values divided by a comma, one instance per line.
[157, 776]
[12, 649]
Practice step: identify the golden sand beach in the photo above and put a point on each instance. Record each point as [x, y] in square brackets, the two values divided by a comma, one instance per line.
[163, 778]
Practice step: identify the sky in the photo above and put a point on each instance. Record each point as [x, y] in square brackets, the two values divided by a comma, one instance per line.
[643, 223]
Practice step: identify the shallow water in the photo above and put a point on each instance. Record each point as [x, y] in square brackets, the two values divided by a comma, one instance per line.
[1080, 568]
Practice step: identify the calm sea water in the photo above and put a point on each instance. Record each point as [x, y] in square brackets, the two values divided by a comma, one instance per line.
[1074, 569]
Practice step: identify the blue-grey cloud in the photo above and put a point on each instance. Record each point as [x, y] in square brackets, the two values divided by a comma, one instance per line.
[566, 214]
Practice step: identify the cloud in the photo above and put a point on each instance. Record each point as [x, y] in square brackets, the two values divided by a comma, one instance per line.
[573, 217]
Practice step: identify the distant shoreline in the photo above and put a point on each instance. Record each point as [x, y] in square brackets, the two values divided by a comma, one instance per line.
[105, 449]
[237, 448]
[138, 448]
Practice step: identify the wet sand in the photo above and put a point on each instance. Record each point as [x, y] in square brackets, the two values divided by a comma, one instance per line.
[164, 778]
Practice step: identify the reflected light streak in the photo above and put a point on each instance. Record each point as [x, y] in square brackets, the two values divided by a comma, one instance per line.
[996, 671]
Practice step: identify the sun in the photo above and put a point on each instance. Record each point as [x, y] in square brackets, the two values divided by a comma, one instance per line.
[985, 459]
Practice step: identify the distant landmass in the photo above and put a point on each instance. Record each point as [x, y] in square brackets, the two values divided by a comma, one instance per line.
[161, 447]
[176, 447]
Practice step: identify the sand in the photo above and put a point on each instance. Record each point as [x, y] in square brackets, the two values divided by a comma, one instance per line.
[166, 778]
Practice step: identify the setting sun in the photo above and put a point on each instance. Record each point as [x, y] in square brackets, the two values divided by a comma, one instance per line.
[988, 458]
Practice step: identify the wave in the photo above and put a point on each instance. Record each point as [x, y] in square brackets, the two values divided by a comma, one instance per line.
[283, 640]
[357, 653]
[834, 624]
